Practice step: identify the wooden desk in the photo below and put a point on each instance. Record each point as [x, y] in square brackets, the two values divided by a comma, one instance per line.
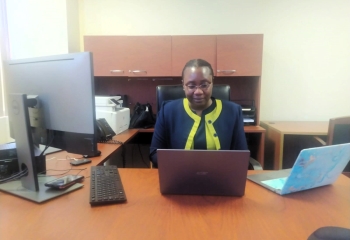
[106, 149]
[260, 214]
[277, 131]
[258, 148]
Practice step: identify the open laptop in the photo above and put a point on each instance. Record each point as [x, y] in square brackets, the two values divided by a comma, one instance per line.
[203, 172]
[314, 167]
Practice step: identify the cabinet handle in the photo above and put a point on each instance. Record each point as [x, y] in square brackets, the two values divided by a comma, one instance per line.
[117, 71]
[226, 71]
[137, 71]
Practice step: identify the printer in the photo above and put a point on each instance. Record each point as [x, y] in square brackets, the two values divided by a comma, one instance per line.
[248, 111]
[110, 108]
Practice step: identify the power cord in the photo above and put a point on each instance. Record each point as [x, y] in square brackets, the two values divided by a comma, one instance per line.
[112, 142]
[48, 143]
[66, 171]
[15, 176]
[24, 172]
[143, 160]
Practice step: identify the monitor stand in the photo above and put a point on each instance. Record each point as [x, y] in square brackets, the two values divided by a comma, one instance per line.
[29, 186]
[44, 193]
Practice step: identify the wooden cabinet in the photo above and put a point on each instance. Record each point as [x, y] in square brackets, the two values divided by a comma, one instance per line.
[131, 56]
[109, 54]
[239, 55]
[236, 61]
[152, 56]
[185, 48]
[149, 56]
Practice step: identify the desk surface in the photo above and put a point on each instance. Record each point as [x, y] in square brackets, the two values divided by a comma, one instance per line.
[298, 127]
[259, 214]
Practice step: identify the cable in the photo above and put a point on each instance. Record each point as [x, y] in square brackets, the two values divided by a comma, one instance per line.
[132, 155]
[15, 176]
[112, 142]
[47, 144]
[142, 156]
[25, 172]
[123, 154]
[66, 171]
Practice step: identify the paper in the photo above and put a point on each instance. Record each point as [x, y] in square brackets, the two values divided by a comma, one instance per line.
[248, 120]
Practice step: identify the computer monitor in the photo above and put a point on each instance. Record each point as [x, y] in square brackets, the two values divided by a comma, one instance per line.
[51, 101]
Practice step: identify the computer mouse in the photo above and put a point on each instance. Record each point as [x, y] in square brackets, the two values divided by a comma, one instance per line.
[330, 233]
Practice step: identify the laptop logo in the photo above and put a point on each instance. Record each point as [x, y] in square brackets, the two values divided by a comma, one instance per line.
[202, 173]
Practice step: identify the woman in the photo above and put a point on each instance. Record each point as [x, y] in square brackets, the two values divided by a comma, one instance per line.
[198, 121]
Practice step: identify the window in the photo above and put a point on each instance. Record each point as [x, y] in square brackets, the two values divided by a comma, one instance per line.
[4, 53]
[2, 94]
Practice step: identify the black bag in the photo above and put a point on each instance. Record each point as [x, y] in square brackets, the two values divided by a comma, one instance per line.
[142, 116]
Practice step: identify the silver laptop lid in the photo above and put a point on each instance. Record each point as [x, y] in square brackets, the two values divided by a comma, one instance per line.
[203, 172]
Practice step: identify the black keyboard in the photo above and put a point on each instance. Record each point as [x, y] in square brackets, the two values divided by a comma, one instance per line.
[106, 186]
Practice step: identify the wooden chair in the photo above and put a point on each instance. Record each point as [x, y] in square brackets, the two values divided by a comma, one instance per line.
[338, 133]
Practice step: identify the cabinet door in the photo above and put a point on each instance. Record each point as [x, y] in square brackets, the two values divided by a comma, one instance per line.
[239, 55]
[185, 48]
[109, 54]
[149, 55]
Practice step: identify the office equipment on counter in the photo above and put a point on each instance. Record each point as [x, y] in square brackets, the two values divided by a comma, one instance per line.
[109, 108]
[104, 131]
[314, 167]
[106, 186]
[108, 103]
[9, 162]
[203, 172]
[248, 110]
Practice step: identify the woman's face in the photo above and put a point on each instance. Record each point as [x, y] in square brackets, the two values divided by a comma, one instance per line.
[198, 86]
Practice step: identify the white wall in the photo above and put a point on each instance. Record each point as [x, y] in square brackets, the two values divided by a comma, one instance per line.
[306, 60]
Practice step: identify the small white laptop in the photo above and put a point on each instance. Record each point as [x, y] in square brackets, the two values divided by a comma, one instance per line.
[203, 172]
[314, 167]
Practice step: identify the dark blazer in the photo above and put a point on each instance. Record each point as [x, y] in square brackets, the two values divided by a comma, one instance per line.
[174, 125]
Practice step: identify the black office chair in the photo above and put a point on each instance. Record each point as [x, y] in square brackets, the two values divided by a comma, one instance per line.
[220, 91]
[171, 92]
[338, 133]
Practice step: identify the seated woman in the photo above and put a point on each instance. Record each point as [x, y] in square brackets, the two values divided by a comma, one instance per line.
[198, 121]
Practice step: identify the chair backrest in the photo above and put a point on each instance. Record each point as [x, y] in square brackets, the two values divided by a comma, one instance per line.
[172, 92]
[338, 133]
[338, 130]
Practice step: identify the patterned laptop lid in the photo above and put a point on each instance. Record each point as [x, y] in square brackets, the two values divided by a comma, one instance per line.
[314, 167]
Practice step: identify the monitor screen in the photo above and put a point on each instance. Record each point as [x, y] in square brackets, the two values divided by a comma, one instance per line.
[58, 96]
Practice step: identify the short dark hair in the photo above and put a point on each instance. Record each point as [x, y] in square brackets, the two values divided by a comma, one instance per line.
[197, 63]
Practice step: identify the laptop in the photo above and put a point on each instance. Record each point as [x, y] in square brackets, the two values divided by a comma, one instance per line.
[203, 172]
[314, 167]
